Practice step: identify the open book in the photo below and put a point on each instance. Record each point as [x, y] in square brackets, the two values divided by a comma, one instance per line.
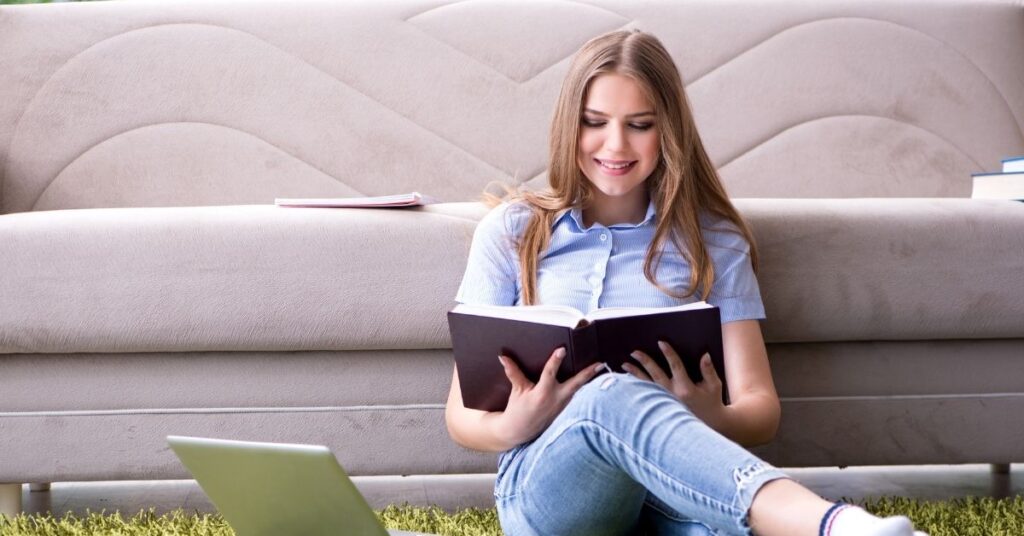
[529, 334]
[411, 199]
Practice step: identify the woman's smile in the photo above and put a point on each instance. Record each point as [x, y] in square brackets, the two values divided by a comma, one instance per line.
[615, 167]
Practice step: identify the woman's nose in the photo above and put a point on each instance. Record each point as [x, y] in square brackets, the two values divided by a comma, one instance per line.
[615, 138]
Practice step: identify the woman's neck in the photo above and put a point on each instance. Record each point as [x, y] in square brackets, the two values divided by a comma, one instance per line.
[606, 210]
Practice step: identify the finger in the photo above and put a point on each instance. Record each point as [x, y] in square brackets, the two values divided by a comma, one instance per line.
[581, 378]
[680, 378]
[652, 368]
[548, 377]
[710, 374]
[514, 374]
[636, 372]
[675, 363]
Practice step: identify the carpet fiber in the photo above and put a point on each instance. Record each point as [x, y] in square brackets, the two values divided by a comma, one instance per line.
[969, 517]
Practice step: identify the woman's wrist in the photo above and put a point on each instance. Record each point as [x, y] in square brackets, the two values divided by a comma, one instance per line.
[729, 419]
[499, 431]
[718, 418]
[746, 423]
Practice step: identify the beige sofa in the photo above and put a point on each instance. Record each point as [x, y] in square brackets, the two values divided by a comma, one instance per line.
[148, 288]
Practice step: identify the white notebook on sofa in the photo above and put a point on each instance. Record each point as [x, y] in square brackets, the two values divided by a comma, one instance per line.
[411, 199]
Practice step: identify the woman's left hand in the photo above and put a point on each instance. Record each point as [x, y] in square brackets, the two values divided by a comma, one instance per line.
[704, 399]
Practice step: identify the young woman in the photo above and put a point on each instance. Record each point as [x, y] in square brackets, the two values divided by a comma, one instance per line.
[635, 216]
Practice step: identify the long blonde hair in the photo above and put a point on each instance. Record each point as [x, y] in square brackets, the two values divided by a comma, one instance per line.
[683, 184]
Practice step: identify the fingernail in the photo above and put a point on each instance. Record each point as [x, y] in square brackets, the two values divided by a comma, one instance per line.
[501, 359]
[599, 366]
[560, 352]
[662, 344]
[635, 355]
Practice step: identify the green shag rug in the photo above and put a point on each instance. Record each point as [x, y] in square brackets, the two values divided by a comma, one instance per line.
[966, 517]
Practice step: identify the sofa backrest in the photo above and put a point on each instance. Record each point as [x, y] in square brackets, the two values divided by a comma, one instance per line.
[162, 103]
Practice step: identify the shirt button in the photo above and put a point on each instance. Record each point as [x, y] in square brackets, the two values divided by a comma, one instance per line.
[604, 236]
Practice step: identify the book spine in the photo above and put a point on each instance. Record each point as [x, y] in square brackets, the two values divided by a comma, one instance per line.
[584, 347]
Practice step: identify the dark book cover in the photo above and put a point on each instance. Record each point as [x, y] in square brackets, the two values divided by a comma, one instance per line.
[478, 340]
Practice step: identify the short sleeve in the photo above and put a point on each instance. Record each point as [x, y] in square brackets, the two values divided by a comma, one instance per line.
[492, 273]
[735, 291]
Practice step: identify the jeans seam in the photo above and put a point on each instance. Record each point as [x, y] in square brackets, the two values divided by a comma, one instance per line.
[625, 446]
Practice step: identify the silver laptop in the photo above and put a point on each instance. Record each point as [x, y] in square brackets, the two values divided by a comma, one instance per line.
[265, 489]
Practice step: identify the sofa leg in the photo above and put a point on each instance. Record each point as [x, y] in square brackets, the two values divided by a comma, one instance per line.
[10, 499]
[1000, 468]
[39, 486]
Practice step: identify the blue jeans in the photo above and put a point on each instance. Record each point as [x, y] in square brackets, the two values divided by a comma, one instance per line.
[626, 457]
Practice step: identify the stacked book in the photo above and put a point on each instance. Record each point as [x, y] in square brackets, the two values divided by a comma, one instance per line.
[1006, 185]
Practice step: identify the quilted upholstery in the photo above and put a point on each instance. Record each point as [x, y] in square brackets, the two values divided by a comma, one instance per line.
[214, 103]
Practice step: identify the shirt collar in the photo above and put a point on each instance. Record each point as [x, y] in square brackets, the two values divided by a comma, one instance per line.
[575, 213]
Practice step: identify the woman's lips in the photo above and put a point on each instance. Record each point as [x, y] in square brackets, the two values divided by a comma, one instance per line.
[608, 170]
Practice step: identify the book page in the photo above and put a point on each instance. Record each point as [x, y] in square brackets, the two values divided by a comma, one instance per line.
[617, 312]
[556, 315]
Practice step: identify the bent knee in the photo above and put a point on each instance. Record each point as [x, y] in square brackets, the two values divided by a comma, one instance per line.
[623, 393]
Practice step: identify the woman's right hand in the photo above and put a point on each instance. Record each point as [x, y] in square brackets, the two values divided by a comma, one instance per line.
[533, 406]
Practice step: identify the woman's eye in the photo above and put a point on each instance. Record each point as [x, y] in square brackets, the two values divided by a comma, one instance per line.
[635, 126]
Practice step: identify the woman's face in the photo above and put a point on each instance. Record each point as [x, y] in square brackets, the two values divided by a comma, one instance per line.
[618, 136]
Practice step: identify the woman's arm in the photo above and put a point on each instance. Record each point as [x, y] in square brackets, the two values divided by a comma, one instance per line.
[531, 407]
[472, 428]
[753, 415]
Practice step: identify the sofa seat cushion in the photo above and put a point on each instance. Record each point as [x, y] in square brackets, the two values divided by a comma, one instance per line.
[230, 278]
[262, 278]
[889, 269]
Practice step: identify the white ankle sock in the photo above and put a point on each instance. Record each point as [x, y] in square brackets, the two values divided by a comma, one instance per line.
[848, 520]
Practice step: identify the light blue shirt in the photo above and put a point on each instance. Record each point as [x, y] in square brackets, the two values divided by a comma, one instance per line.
[597, 266]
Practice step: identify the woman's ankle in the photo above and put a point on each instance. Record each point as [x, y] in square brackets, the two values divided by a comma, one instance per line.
[785, 508]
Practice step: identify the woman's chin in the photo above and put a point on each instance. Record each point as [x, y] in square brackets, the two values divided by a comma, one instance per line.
[614, 192]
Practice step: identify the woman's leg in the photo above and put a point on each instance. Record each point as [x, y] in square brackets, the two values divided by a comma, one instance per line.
[785, 507]
[568, 493]
[619, 438]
